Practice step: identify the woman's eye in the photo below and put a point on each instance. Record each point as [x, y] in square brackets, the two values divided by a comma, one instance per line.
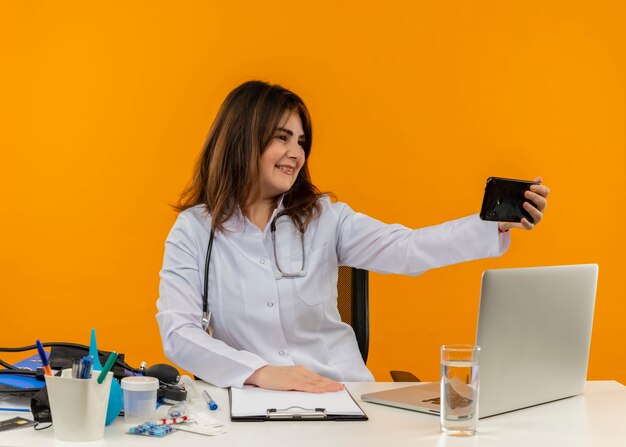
[281, 137]
[301, 143]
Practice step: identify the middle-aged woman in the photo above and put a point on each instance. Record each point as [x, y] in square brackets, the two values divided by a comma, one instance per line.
[275, 243]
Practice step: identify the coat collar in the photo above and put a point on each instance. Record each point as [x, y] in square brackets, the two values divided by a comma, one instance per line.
[240, 223]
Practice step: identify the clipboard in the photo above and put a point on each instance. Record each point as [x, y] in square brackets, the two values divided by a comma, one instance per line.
[252, 404]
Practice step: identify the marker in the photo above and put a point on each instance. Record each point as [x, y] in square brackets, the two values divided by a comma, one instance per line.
[86, 367]
[44, 359]
[210, 402]
[107, 367]
[76, 369]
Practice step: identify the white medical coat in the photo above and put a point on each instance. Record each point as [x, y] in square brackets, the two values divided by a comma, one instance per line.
[260, 318]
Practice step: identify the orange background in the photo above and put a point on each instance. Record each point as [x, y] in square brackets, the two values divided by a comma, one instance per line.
[105, 106]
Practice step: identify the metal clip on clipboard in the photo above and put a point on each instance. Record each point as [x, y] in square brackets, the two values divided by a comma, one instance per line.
[301, 413]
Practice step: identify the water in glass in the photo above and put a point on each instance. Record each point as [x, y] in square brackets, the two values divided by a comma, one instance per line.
[459, 397]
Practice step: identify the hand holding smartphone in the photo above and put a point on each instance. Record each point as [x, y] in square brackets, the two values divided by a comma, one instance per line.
[504, 198]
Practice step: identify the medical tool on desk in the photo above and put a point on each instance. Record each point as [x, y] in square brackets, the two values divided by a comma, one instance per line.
[209, 401]
[69, 356]
[140, 399]
[116, 402]
[62, 355]
[65, 356]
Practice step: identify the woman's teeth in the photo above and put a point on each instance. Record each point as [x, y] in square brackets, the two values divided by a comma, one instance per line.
[285, 169]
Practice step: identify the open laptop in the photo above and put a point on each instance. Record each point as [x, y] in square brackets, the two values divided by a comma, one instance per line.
[534, 330]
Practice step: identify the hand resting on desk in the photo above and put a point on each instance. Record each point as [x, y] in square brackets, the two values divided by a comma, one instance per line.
[292, 378]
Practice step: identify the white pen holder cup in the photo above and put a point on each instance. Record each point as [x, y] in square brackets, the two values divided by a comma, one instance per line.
[78, 406]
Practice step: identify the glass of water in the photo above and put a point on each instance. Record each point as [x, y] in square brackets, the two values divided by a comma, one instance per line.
[459, 389]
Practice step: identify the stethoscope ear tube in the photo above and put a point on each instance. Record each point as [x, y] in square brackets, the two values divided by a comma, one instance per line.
[206, 319]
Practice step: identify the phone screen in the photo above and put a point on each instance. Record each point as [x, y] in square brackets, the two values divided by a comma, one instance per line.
[504, 198]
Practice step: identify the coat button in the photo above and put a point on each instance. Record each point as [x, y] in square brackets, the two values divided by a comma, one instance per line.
[262, 261]
[270, 304]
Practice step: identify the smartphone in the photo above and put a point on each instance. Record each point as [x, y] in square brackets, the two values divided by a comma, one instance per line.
[504, 198]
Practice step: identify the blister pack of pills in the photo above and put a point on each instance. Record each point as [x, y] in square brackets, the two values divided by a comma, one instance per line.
[151, 429]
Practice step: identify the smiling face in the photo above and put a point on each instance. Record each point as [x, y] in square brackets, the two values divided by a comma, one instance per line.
[283, 158]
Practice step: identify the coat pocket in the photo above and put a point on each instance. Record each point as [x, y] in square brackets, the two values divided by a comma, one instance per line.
[315, 286]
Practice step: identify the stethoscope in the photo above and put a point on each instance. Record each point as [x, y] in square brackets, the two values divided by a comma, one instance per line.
[206, 315]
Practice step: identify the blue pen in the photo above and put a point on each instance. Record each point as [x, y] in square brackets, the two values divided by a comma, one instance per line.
[210, 402]
[86, 367]
[44, 359]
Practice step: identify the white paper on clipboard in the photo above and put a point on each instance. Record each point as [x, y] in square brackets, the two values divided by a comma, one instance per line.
[251, 401]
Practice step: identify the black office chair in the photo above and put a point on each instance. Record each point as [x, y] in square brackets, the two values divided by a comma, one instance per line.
[353, 305]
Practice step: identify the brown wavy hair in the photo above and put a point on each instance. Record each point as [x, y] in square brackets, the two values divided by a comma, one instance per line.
[226, 175]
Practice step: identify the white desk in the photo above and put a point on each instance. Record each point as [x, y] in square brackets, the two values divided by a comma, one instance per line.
[596, 418]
